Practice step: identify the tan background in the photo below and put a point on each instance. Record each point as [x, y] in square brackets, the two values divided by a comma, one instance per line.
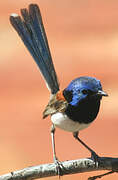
[83, 37]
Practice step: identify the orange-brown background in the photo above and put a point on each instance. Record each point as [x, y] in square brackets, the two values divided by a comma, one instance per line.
[83, 37]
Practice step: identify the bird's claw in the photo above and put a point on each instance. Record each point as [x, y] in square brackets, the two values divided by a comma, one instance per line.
[58, 167]
[95, 158]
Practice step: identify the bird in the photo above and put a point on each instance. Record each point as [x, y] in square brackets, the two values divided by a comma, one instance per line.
[71, 109]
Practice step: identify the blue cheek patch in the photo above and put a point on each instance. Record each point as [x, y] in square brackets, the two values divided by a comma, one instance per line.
[76, 99]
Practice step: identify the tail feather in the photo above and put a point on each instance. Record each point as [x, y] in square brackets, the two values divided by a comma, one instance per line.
[31, 30]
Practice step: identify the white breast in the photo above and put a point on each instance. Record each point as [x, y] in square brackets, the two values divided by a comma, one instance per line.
[63, 122]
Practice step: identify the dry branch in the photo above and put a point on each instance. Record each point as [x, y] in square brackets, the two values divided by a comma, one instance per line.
[67, 167]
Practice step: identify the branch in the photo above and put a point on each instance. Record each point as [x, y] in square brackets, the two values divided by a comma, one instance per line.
[67, 167]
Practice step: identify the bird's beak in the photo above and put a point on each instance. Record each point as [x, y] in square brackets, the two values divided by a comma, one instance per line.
[102, 93]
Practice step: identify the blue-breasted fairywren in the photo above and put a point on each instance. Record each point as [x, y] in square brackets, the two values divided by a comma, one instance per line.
[73, 108]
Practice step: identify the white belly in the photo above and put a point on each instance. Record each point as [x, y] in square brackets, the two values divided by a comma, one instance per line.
[63, 122]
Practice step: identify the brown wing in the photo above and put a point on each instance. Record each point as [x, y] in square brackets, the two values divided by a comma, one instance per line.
[55, 105]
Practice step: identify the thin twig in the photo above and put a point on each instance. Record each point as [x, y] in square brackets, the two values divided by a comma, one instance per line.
[101, 175]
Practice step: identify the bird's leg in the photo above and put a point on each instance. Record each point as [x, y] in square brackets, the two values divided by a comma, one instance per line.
[56, 161]
[53, 142]
[94, 156]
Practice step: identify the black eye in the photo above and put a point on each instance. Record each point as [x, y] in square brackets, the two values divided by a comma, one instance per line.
[84, 91]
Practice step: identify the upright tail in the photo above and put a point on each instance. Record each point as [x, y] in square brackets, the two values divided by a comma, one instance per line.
[31, 30]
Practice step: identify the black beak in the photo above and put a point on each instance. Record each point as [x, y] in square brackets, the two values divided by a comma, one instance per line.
[102, 93]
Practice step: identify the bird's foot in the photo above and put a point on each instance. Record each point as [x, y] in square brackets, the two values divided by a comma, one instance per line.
[95, 158]
[59, 166]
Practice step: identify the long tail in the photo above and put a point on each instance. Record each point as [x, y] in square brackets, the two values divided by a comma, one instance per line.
[31, 30]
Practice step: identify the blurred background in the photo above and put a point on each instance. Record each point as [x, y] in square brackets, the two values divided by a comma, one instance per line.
[83, 38]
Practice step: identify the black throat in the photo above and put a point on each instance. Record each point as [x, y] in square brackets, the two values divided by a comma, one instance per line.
[86, 110]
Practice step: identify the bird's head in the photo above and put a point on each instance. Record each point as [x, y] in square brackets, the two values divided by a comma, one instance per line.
[83, 88]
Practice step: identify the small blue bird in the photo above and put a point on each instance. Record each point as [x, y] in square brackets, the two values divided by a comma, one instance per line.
[73, 108]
